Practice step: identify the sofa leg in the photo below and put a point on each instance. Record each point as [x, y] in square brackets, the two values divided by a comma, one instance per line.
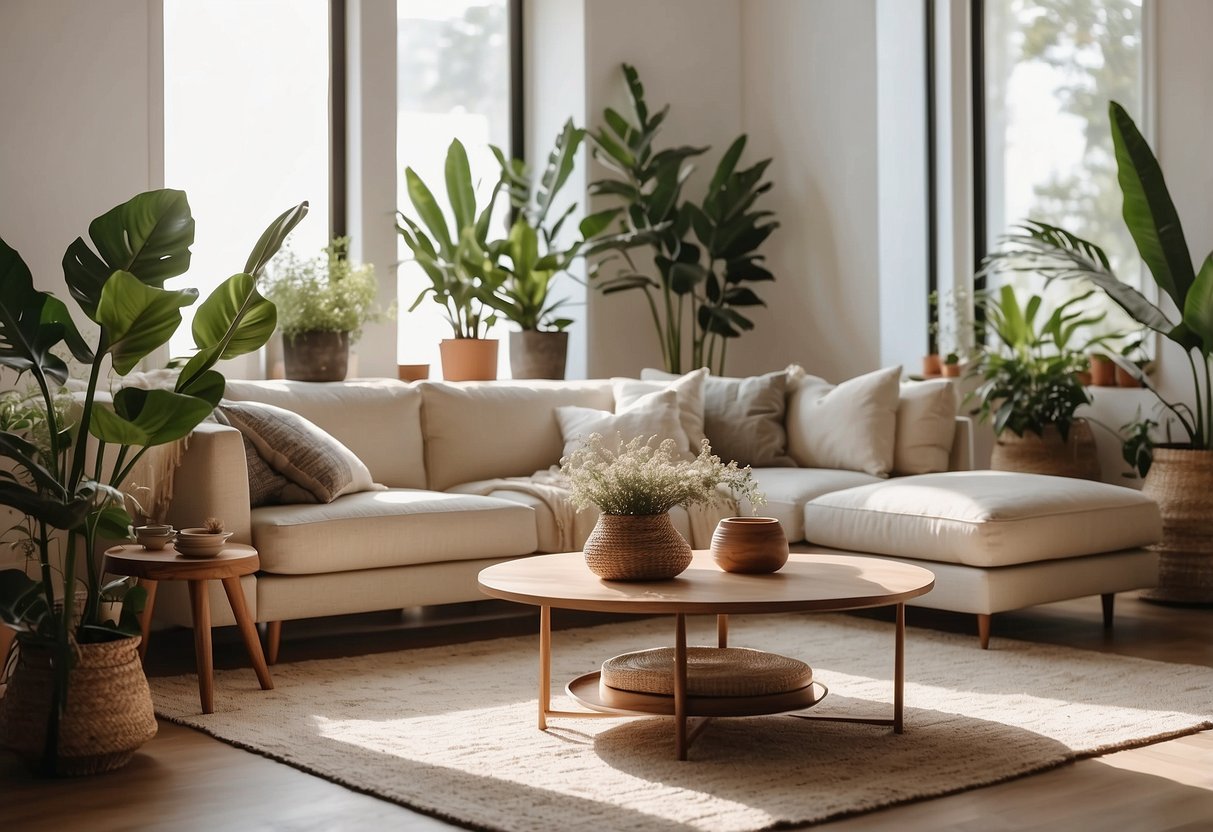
[1109, 602]
[273, 640]
[983, 630]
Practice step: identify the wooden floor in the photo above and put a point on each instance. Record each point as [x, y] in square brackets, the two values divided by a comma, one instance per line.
[184, 780]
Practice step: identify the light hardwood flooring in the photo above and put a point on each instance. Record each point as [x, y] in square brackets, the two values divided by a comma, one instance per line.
[184, 780]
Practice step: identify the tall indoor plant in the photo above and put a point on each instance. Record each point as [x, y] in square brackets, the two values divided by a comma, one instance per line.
[704, 253]
[1181, 479]
[323, 303]
[68, 488]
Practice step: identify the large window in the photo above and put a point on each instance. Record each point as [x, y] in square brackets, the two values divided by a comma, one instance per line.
[454, 71]
[246, 126]
[1050, 68]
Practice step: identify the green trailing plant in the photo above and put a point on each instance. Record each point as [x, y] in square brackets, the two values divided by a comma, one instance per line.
[704, 253]
[1137, 444]
[68, 493]
[461, 264]
[323, 294]
[1152, 220]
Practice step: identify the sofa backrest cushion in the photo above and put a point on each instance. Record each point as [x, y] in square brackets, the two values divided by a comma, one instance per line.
[484, 430]
[378, 419]
[850, 426]
[926, 427]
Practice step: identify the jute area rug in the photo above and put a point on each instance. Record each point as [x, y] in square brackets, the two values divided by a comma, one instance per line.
[451, 731]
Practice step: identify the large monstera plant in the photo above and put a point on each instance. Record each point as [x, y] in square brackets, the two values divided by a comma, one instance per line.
[67, 488]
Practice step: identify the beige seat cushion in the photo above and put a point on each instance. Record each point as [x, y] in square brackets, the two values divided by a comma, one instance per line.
[389, 528]
[788, 489]
[983, 518]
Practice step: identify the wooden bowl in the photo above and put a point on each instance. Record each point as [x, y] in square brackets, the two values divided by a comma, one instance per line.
[750, 545]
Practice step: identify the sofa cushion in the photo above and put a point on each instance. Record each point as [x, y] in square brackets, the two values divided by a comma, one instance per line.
[689, 388]
[983, 518]
[481, 430]
[851, 426]
[788, 489]
[652, 417]
[389, 528]
[926, 427]
[378, 419]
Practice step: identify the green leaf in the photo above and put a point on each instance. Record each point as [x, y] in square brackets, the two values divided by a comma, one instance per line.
[741, 296]
[684, 277]
[724, 170]
[22, 335]
[85, 273]
[235, 317]
[1198, 311]
[428, 210]
[111, 522]
[148, 236]
[148, 417]
[273, 237]
[137, 318]
[208, 386]
[560, 165]
[459, 189]
[636, 93]
[1148, 210]
[55, 311]
[596, 223]
[61, 514]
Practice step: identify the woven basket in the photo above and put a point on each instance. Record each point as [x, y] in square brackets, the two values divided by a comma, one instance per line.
[109, 708]
[1048, 454]
[624, 547]
[1181, 482]
[711, 671]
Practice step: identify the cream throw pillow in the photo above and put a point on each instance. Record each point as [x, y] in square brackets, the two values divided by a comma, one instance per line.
[851, 426]
[653, 415]
[689, 389]
[926, 427]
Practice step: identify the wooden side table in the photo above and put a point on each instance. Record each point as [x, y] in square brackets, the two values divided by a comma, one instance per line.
[228, 566]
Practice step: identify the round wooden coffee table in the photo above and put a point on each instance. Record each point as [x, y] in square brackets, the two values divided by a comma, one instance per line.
[808, 583]
[151, 567]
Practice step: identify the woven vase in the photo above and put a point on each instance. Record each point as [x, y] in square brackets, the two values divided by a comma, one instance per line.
[1048, 454]
[109, 708]
[1181, 482]
[625, 547]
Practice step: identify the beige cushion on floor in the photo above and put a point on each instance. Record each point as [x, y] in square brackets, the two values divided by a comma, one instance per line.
[983, 518]
[852, 425]
[788, 489]
[389, 528]
[378, 419]
[926, 427]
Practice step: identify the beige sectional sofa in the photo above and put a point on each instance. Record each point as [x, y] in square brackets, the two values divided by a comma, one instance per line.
[441, 449]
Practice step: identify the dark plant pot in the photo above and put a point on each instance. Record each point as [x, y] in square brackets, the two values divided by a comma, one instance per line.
[1181, 482]
[316, 356]
[1048, 454]
[535, 354]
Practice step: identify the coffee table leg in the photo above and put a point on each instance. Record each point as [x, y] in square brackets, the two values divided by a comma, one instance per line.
[545, 665]
[899, 668]
[722, 631]
[200, 602]
[680, 686]
[235, 598]
[145, 620]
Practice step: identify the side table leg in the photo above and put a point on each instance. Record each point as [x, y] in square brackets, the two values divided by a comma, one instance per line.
[899, 669]
[545, 665]
[722, 631]
[145, 620]
[680, 686]
[235, 597]
[200, 602]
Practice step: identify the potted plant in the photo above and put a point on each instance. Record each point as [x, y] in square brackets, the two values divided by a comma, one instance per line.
[1103, 370]
[1181, 476]
[705, 253]
[634, 485]
[323, 303]
[1030, 391]
[460, 263]
[951, 365]
[58, 462]
[535, 258]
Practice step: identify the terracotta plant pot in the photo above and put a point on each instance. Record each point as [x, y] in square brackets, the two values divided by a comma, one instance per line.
[1048, 454]
[108, 716]
[412, 372]
[750, 545]
[469, 359]
[1103, 371]
[1181, 482]
[931, 365]
[645, 547]
[951, 370]
[316, 356]
[1084, 378]
[1124, 379]
[536, 354]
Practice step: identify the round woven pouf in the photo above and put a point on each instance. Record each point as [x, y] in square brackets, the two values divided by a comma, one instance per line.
[711, 671]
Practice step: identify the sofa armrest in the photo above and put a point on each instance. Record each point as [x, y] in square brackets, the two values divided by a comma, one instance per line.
[212, 481]
[961, 458]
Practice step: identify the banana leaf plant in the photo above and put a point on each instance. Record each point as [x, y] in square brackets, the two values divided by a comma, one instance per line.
[68, 489]
[459, 260]
[704, 253]
[1154, 224]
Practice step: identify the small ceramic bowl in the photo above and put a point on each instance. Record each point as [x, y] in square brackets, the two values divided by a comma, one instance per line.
[154, 537]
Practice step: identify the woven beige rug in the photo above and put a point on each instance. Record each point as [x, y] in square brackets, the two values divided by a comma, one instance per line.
[450, 731]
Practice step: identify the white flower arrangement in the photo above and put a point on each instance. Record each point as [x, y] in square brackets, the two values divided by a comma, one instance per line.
[639, 479]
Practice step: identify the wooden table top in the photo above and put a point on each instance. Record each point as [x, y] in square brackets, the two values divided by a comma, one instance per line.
[235, 560]
[807, 582]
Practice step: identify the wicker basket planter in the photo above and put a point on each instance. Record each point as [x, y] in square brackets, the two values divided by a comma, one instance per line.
[109, 712]
[1181, 482]
[625, 547]
[1048, 454]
